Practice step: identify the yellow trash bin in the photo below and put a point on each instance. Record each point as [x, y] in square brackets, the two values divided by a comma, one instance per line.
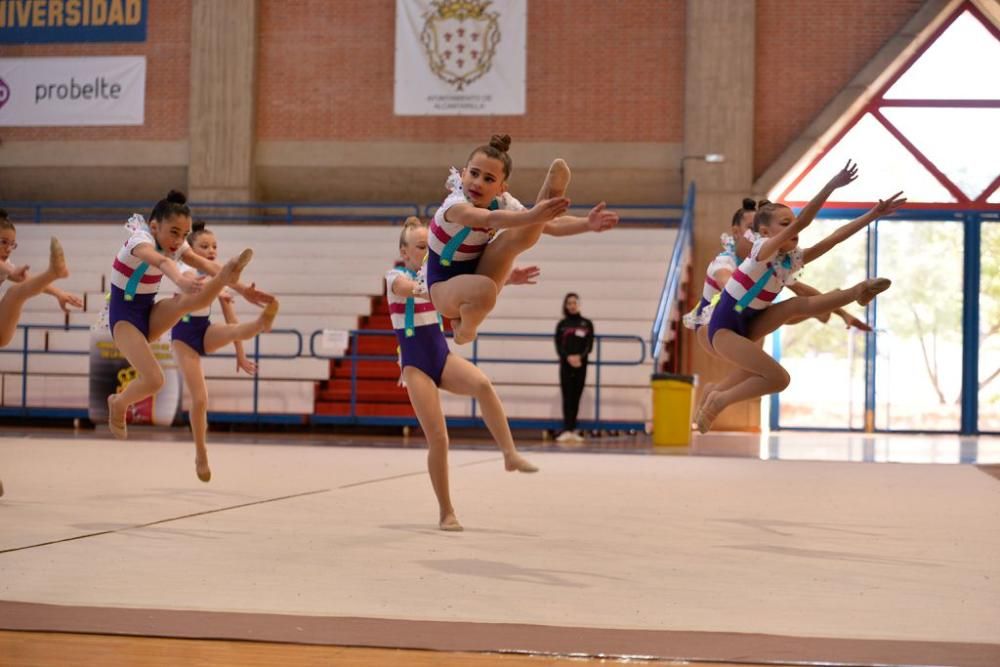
[672, 409]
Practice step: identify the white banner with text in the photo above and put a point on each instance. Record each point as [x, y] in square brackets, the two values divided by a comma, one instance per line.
[72, 91]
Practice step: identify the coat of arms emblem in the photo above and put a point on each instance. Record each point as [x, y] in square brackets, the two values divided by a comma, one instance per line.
[460, 38]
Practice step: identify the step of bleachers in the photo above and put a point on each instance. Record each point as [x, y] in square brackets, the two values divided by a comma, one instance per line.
[371, 370]
[366, 409]
[541, 306]
[377, 345]
[536, 325]
[369, 391]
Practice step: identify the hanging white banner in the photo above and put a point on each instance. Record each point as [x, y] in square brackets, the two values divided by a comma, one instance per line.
[72, 91]
[460, 57]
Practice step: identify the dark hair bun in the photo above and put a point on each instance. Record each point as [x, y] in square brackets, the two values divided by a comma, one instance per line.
[749, 204]
[3, 214]
[501, 142]
[198, 226]
[177, 197]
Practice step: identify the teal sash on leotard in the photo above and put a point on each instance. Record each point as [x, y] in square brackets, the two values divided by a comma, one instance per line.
[133, 282]
[758, 286]
[450, 248]
[409, 316]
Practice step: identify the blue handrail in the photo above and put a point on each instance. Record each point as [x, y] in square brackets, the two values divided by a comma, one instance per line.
[26, 351]
[291, 212]
[236, 212]
[598, 361]
[668, 215]
[352, 355]
[673, 280]
[256, 416]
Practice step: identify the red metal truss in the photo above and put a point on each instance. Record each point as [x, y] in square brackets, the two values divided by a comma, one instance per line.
[963, 201]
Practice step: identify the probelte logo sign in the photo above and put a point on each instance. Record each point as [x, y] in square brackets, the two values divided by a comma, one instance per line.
[72, 91]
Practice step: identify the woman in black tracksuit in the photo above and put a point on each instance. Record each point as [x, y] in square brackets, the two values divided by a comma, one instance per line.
[574, 340]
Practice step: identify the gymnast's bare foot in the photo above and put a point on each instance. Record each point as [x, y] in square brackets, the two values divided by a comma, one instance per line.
[201, 467]
[116, 418]
[233, 268]
[709, 412]
[449, 522]
[872, 288]
[57, 259]
[703, 394]
[266, 319]
[515, 461]
[556, 180]
[461, 333]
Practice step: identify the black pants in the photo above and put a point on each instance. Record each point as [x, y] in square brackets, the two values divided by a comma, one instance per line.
[571, 381]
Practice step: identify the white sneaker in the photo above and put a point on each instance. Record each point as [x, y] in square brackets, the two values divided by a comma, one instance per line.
[577, 437]
[566, 436]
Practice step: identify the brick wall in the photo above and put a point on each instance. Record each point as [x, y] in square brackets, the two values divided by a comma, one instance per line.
[806, 53]
[168, 73]
[597, 70]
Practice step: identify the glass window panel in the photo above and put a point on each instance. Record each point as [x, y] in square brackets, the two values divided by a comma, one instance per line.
[955, 66]
[885, 167]
[989, 328]
[963, 143]
[919, 364]
[826, 361]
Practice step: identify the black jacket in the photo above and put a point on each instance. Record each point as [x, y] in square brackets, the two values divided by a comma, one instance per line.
[574, 335]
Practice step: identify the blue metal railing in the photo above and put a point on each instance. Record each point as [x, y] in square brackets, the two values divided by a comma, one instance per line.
[39, 212]
[26, 351]
[290, 212]
[351, 355]
[598, 361]
[668, 215]
[235, 212]
[674, 279]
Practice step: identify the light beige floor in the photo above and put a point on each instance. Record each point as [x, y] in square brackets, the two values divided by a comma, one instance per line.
[617, 541]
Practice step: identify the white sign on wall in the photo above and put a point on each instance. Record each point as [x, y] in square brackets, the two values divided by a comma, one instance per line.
[72, 91]
[460, 57]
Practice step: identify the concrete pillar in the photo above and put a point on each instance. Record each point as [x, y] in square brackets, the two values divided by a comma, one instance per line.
[223, 72]
[718, 118]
